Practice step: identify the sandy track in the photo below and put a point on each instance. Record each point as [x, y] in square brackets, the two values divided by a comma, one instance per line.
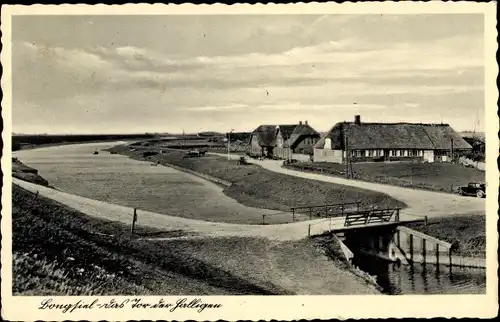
[104, 210]
[420, 202]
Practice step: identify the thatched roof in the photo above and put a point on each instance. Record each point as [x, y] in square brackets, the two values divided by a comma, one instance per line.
[393, 136]
[266, 134]
[300, 131]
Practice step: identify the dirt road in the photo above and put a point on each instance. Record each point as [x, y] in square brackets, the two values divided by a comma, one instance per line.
[109, 211]
[420, 202]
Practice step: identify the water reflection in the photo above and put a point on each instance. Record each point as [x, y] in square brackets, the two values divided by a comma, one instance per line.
[423, 279]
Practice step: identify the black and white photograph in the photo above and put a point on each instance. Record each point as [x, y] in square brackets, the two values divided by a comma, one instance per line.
[176, 159]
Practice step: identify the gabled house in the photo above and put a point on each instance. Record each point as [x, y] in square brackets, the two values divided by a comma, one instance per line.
[285, 141]
[358, 142]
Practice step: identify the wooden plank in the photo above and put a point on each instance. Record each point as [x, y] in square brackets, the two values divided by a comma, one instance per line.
[424, 236]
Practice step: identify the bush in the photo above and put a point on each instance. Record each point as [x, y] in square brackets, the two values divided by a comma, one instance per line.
[149, 153]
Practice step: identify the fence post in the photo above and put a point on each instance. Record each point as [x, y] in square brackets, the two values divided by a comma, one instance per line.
[342, 208]
[263, 219]
[358, 204]
[134, 219]
[424, 248]
[293, 214]
[449, 255]
[397, 215]
[426, 220]
[437, 254]
[309, 230]
[411, 247]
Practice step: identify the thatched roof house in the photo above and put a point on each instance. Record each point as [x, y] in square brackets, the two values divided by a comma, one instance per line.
[388, 141]
[283, 140]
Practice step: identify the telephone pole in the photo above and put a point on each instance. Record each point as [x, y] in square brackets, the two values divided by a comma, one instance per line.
[346, 157]
[452, 155]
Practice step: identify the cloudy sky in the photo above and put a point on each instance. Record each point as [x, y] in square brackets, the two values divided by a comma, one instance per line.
[100, 74]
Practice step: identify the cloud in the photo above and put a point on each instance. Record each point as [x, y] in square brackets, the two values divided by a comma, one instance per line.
[320, 69]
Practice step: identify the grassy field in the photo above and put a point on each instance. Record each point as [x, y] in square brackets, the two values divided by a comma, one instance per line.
[59, 251]
[257, 187]
[467, 233]
[445, 177]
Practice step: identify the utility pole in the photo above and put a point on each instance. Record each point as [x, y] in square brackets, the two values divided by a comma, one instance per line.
[229, 145]
[452, 156]
[346, 156]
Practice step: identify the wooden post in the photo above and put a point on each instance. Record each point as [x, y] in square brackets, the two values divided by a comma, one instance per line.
[398, 237]
[424, 249]
[263, 219]
[309, 230]
[293, 214]
[358, 203]
[134, 219]
[449, 255]
[397, 217]
[342, 207]
[326, 211]
[411, 248]
[437, 254]
[426, 220]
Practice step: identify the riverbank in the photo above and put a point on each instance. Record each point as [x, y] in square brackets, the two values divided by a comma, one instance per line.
[466, 233]
[23, 172]
[253, 186]
[74, 254]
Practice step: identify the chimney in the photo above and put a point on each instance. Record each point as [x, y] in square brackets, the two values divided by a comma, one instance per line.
[357, 119]
[306, 122]
[300, 122]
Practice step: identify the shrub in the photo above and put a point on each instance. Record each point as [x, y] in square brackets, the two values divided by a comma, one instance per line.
[149, 153]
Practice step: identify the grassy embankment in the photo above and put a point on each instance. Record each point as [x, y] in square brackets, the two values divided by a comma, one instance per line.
[466, 233]
[23, 172]
[444, 177]
[257, 187]
[59, 251]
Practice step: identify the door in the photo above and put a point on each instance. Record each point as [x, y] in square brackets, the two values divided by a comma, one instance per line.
[429, 155]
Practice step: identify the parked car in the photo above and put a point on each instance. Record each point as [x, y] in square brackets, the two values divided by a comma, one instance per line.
[192, 153]
[473, 189]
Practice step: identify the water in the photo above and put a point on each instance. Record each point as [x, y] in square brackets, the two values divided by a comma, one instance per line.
[120, 180]
[423, 279]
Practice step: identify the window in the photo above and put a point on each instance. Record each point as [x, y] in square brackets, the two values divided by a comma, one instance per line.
[371, 153]
[356, 153]
[420, 153]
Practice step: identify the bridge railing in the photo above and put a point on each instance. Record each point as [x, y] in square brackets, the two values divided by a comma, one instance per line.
[327, 210]
[371, 216]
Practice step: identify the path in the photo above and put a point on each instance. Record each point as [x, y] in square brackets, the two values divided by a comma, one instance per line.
[109, 211]
[420, 202]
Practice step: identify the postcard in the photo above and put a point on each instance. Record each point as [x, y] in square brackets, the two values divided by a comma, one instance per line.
[249, 162]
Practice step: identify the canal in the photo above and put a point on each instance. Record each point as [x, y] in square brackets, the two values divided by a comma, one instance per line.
[120, 180]
[398, 279]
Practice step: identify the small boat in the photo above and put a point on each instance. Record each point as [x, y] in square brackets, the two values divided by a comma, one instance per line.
[96, 152]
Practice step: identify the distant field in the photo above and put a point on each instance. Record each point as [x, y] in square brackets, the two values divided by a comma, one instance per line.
[73, 254]
[256, 187]
[446, 177]
[33, 140]
[467, 233]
